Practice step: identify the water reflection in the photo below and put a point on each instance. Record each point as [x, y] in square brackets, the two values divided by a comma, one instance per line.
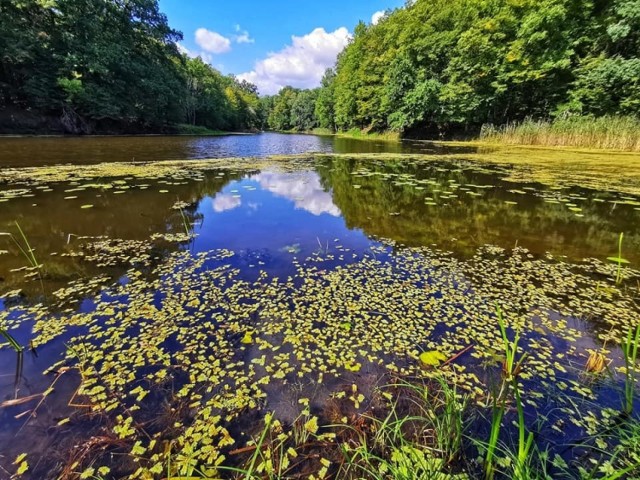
[458, 207]
[82, 150]
[303, 189]
[224, 202]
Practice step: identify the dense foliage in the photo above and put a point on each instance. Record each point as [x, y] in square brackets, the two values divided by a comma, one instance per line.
[111, 65]
[444, 63]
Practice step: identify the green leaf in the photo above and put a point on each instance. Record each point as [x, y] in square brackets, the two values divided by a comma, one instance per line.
[432, 358]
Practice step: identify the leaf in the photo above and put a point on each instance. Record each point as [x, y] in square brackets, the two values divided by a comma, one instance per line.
[618, 260]
[432, 358]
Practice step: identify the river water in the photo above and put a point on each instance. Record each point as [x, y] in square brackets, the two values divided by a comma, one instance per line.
[280, 221]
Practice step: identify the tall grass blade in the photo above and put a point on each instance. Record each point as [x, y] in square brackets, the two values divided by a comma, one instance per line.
[630, 351]
[12, 341]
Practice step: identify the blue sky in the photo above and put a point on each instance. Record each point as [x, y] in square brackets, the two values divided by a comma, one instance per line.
[270, 43]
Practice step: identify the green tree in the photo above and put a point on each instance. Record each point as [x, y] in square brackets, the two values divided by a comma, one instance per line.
[303, 111]
[325, 103]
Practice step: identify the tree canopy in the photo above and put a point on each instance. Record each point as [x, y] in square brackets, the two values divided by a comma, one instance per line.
[106, 64]
[458, 63]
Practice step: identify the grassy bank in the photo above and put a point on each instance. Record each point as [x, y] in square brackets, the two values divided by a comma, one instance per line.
[364, 135]
[613, 133]
[186, 129]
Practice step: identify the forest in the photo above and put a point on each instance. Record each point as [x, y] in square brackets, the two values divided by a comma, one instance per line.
[95, 66]
[438, 65]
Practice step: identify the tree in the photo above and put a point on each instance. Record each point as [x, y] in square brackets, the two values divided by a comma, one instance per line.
[303, 111]
[325, 104]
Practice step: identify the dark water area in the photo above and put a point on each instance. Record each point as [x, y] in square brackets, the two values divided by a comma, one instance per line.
[33, 151]
[325, 214]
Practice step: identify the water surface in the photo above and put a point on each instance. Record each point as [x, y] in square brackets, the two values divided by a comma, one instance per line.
[456, 233]
[28, 151]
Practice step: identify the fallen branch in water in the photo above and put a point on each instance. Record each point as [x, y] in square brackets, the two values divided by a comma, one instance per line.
[20, 401]
[457, 355]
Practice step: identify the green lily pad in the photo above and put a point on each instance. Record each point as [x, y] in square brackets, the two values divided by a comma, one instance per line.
[432, 358]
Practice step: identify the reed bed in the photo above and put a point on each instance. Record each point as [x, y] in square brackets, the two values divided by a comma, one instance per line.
[611, 133]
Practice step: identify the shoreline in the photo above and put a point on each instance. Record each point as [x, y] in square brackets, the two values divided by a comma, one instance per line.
[477, 143]
[213, 134]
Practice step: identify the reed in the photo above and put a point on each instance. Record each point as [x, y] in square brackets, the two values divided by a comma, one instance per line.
[619, 260]
[511, 365]
[609, 132]
[12, 341]
[630, 353]
[185, 223]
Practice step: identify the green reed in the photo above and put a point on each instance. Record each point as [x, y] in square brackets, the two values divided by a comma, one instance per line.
[185, 223]
[619, 260]
[630, 351]
[27, 252]
[616, 133]
[12, 341]
[511, 366]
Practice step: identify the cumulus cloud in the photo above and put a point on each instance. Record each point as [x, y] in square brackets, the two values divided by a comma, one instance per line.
[300, 64]
[212, 42]
[376, 17]
[242, 36]
[303, 189]
[206, 57]
[224, 202]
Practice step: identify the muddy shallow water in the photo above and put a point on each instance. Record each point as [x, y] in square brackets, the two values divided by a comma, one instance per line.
[164, 296]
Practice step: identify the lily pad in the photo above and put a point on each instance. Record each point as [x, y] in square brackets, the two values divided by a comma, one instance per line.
[432, 358]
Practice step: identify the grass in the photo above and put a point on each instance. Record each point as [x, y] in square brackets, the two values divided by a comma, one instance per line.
[322, 131]
[611, 133]
[619, 260]
[186, 129]
[511, 366]
[367, 135]
[12, 341]
[630, 351]
[27, 252]
[185, 223]
[421, 436]
[25, 249]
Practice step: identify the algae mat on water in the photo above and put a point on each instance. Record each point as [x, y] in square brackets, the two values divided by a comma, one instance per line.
[597, 170]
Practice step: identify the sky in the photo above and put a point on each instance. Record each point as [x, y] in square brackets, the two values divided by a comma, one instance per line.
[271, 43]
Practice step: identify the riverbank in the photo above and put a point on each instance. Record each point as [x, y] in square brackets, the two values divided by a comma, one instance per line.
[604, 133]
[616, 134]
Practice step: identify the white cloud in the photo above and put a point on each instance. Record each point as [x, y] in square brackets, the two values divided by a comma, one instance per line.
[376, 17]
[224, 202]
[206, 57]
[242, 36]
[212, 42]
[304, 189]
[300, 64]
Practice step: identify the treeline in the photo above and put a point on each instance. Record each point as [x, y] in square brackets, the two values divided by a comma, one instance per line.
[86, 66]
[293, 109]
[440, 65]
